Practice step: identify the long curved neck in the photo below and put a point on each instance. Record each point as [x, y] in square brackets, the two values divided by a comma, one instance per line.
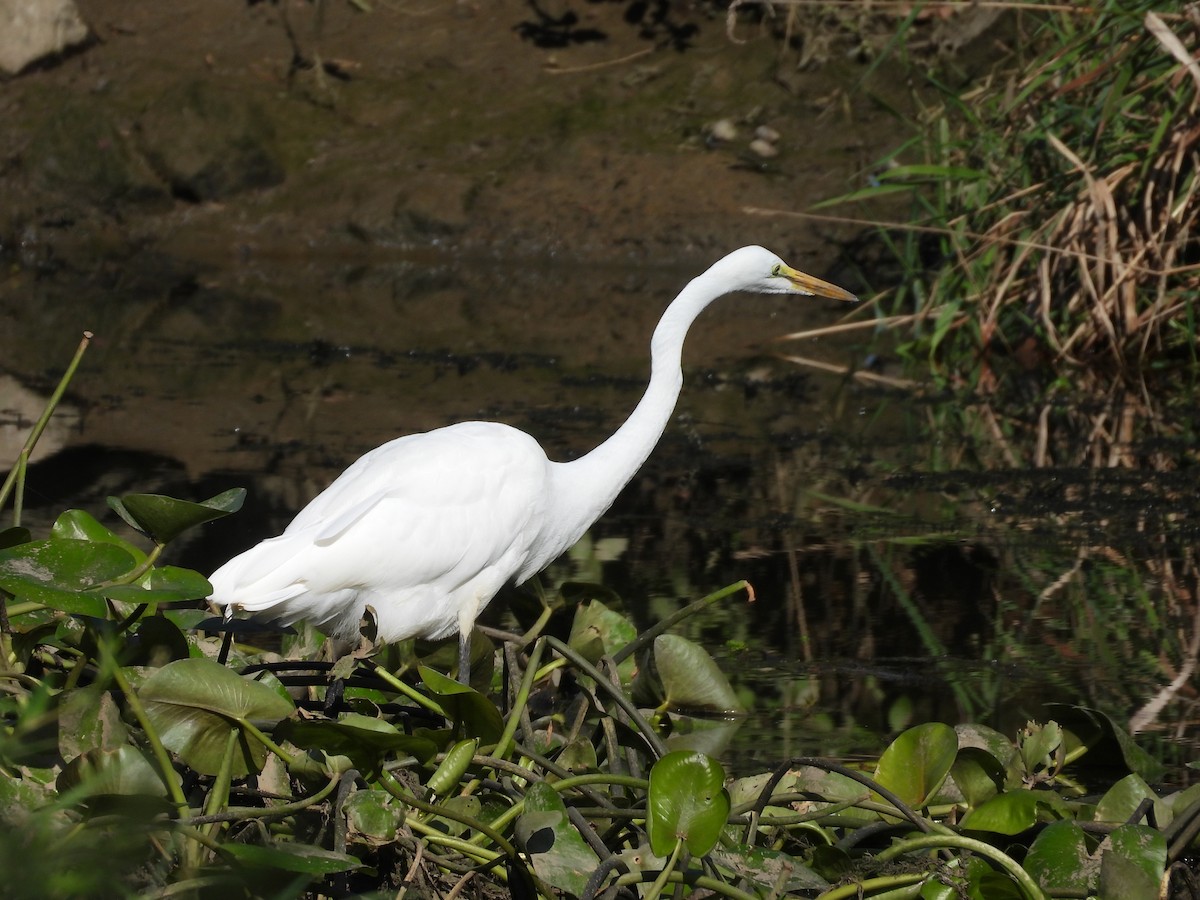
[594, 480]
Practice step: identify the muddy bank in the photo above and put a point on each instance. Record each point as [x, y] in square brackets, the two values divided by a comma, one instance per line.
[221, 130]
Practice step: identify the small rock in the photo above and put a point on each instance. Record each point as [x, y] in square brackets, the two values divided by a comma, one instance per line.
[764, 149]
[722, 130]
[33, 29]
[766, 133]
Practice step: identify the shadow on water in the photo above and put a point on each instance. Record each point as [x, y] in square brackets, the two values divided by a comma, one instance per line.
[913, 558]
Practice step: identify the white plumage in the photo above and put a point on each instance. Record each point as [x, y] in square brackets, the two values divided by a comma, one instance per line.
[426, 528]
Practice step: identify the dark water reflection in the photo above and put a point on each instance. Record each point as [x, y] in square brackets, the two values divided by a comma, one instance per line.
[913, 559]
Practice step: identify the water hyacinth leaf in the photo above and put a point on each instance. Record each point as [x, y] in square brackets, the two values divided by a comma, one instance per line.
[577, 757]
[1040, 745]
[686, 801]
[88, 718]
[58, 572]
[1107, 743]
[977, 774]
[1133, 862]
[163, 518]
[124, 770]
[193, 704]
[690, 678]
[772, 871]
[1059, 862]
[917, 762]
[598, 630]
[82, 526]
[372, 817]
[165, 584]
[560, 855]
[477, 715]
[364, 739]
[1011, 812]
[1120, 800]
[292, 856]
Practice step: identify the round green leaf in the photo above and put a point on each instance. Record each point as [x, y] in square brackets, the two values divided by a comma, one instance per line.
[194, 704]
[1059, 860]
[372, 816]
[686, 801]
[690, 678]
[82, 526]
[57, 572]
[597, 630]
[477, 714]
[1133, 863]
[163, 518]
[560, 855]
[1012, 812]
[917, 762]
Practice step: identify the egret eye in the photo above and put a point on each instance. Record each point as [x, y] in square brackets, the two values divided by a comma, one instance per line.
[776, 269]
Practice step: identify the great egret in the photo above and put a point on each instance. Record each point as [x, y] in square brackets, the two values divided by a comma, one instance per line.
[427, 528]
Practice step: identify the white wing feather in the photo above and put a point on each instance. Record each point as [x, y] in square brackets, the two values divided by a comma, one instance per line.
[421, 528]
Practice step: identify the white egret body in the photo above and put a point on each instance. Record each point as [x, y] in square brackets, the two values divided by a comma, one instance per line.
[427, 528]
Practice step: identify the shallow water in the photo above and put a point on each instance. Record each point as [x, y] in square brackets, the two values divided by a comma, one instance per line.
[913, 558]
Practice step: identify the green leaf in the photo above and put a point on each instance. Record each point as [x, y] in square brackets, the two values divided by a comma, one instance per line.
[78, 525]
[124, 770]
[686, 801]
[476, 714]
[560, 855]
[193, 704]
[771, 871]
[690, 677]
[1059, 860]
[372, 817]
[597, 630]
[163, 518]
[917, 762]
[1120, 800]
[1012, 812]
[977, 774]
[165, 584]
[1106, 741]
[1133, 863]
[364, 739]
[57, 572]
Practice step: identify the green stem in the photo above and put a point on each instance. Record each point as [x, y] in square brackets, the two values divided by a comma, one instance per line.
[505, 744]
[937, 841]
[393, 787]
[257, 734]
[602, 683]
[648, 636]
[17, 475]
[656, 889]
[409, 692]
[166, 770]
[240, 813]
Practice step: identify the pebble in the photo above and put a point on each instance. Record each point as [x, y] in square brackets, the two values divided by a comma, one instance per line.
[763, 148]
[722, 130]
[766, 133]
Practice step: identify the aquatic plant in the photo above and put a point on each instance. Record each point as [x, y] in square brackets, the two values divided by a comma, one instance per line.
[147, 749]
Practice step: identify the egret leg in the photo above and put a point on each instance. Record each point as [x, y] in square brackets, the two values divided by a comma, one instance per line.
[464, 656]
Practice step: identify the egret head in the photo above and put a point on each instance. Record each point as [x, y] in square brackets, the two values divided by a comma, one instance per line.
[759, 270]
